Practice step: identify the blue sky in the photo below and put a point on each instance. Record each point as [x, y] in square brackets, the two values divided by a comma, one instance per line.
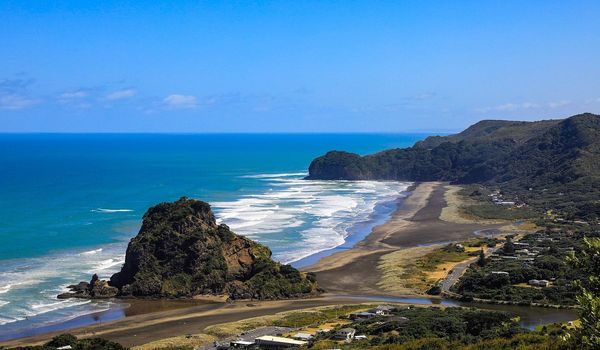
[300, 66]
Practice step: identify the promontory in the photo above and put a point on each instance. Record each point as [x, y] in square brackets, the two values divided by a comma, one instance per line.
[181, 252]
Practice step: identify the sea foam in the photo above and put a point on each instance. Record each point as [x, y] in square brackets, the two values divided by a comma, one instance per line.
[32, 285]
[103, 210]
[294, 217]
[297, 218]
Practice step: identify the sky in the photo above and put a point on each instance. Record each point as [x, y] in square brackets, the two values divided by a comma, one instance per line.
[293, 66]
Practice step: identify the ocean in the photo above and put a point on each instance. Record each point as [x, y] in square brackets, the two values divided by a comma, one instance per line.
[69, 203]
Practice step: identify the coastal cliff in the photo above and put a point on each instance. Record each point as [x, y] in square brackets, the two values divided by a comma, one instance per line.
[180, 251]
[557, 160]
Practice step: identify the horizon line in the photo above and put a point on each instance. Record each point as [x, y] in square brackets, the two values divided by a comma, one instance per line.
[225, 132]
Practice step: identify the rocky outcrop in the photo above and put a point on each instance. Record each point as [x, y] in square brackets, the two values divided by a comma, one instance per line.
[546, 164]
[95, 289]
[180, 251]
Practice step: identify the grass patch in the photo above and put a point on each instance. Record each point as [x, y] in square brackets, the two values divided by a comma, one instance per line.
[400, 273]
[495, 211]
[432, 260]
[315, 317]
[416, 270]
[228, 329]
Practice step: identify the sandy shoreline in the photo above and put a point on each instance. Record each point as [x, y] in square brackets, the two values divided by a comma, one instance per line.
[416, 222]
[373, 243]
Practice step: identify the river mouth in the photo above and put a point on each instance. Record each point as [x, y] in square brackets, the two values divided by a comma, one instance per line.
[530, 317]
[118, 310]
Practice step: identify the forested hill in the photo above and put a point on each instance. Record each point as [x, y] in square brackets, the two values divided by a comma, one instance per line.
[560, 158]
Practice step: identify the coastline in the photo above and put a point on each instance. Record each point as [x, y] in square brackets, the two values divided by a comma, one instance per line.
[373, 242]
[144, 328]
[122, 309]
[382, 213]
[348, 275]
[415, 225]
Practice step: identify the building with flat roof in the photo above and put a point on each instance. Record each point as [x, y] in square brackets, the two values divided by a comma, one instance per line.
[272, 342]
[241, 344]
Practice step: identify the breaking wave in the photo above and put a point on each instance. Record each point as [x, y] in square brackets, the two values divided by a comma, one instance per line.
[30, 286]
[297, 218]
[294, 217]
[102, 210]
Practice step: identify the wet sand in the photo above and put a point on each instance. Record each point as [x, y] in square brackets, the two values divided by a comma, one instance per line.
[416, 223]
[144, 328]
[350, 272]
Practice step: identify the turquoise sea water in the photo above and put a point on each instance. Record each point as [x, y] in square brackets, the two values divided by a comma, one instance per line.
[70, 203]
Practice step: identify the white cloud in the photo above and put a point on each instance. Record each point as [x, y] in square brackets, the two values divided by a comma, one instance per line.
[121, 94]
[509, 107]
[422, 96]
[512, 106]
[75, 99]
[592, 100]
[16, 102]
[176, 101]
[72, 95]
[516, 106]
[14, 94]
[558, 104]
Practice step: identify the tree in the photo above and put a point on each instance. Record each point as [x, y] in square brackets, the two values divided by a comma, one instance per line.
[509, 247]
[62, 340]
[481, 261]
[588, 335]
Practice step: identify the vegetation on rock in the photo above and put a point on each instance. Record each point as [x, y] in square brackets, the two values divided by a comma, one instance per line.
[181, 251]
[546, 164]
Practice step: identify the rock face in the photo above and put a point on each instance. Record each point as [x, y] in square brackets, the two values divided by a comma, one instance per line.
[559, 157]
[180, 251]
[95, 289]
[530, 154]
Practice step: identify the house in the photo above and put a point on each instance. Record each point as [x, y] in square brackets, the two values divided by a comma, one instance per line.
[539, 283]
[241, 344]
[360, 337]
[500, 273]
[362, 315]
[346, 334]
[525, 258]
[303, 336]
[383, 310]
[272, 342]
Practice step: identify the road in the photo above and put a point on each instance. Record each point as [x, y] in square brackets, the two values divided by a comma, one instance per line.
[459, 269]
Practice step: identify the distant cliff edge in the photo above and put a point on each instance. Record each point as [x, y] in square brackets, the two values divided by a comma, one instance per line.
[560, 158]
[180, 251]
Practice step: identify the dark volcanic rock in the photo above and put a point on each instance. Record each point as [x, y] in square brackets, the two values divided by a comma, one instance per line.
[180, 251]
[96, 289]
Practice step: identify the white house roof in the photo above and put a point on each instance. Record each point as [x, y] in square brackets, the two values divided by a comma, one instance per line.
[281, 340]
